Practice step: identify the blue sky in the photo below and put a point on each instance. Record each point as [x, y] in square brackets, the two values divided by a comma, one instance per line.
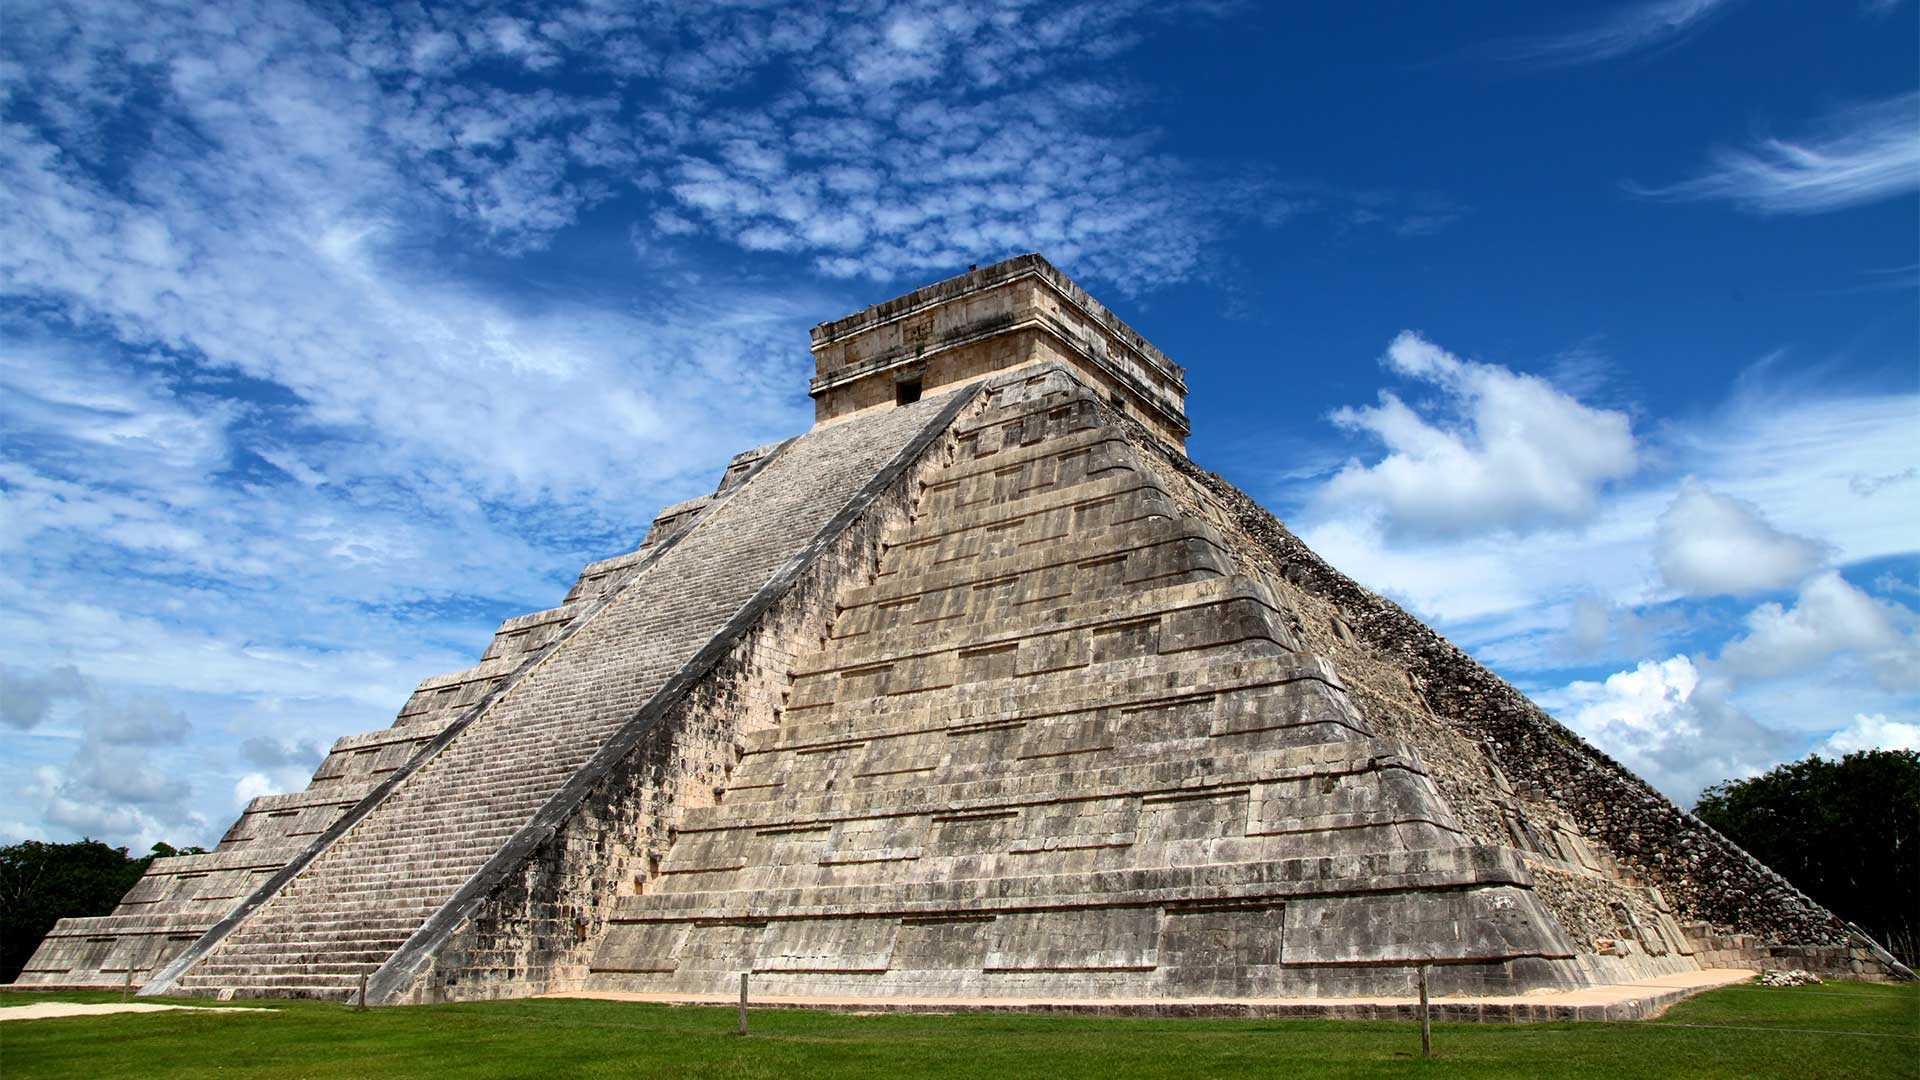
[333, 334]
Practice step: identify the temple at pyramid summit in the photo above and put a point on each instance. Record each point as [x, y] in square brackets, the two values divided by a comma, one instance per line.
[977, 691]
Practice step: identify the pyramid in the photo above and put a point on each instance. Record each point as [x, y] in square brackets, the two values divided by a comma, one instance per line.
[978, 690]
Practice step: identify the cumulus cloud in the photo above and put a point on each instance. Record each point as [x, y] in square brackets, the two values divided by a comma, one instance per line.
[1686, 722]
[28, 698]
[253, 785]
[1870, 732]
[1627, 29]
[1699, 694]
[1670, 722]
[1858, 155]
[1829, 617]
[1498, 449]
[1710, 543]
[122, 779]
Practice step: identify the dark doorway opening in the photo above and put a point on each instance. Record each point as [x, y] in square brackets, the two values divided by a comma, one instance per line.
[906, 391]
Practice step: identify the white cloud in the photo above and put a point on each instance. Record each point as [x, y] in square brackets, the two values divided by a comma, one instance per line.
[1727, 503]
[1590, 624]
[1829, 617]
[1799, 453]
[1858, 155]
[1870, 732]
[1686, 722]
[123, 778]
[1500, 449]
[1597, 630]
[1670, 722]
[1794, 456]
[1710, 544]
[252, 785]
[1628, 29]
[1646, 701]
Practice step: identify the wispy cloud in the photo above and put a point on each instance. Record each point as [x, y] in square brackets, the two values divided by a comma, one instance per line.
[1858, 155]
[296, 405]
[1629, 29]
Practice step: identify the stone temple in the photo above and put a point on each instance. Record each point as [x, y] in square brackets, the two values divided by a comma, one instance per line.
[979, 689]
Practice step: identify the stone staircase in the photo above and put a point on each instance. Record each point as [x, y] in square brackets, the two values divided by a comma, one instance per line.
[533, 716]
[180, 898]
[338, 922]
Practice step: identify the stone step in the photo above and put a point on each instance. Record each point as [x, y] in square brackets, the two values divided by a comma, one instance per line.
[1154, 549]
[1053, 507]
[892, 644]
[1058, 445]
[319, 962]
[1123, 684]
[988, 788]
[1376, 873]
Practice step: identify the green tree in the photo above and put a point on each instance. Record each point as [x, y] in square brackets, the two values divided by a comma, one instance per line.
[1846, 832]
[42, 883]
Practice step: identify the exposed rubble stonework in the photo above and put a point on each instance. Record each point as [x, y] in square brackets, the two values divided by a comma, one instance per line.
[979, 689]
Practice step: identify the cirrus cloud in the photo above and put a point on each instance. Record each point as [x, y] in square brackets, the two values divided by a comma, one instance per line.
[1861, 154]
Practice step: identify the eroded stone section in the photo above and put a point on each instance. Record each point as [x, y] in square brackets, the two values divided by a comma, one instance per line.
[1638, 884]
[1059, 745]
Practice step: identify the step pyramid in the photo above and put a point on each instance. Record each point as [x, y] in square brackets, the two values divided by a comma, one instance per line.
[979, 689]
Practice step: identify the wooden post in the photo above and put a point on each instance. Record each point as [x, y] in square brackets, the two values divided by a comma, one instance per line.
[743, 1003]
[1426, 1019]
[363, 992]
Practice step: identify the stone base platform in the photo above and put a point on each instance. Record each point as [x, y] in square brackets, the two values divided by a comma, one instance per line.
[1640, 1000]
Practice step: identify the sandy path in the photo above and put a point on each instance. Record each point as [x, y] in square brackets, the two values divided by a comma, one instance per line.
[47, 1010]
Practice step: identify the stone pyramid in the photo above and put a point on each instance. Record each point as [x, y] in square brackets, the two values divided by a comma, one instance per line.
[980, 690]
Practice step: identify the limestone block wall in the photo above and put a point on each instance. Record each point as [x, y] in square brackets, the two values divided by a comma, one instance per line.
[1058, 747]
[1625, 871]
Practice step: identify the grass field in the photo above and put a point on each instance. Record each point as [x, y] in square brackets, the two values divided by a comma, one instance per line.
[1837, 1030]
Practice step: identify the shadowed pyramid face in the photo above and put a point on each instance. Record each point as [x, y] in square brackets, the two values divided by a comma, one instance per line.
[978, 689]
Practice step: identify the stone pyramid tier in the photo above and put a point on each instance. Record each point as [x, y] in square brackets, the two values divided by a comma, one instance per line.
[1059, 747]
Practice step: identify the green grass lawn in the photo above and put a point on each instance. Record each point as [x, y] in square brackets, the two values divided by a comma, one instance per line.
[1837, 1030]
